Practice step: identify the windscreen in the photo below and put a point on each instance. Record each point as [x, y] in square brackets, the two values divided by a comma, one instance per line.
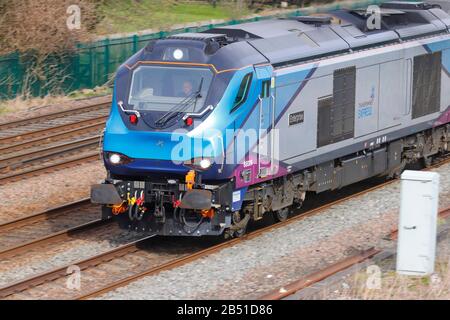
[155, 88]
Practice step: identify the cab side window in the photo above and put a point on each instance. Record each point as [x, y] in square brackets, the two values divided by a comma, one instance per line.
[265, 91]
[242, 94]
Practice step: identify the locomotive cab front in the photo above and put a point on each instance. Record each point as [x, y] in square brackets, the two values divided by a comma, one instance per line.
[165, 144]
[160, 94]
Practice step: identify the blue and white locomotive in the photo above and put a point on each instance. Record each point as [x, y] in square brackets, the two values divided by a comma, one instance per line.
[210, 130]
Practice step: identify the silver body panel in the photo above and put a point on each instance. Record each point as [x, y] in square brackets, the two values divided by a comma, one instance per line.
[383, 81]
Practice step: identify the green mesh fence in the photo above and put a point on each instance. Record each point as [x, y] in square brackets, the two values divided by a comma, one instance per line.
[94, 64]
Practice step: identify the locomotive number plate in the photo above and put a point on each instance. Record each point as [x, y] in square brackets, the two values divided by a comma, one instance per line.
[296, 118]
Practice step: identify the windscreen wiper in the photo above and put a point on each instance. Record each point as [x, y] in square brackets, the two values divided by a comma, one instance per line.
[180, 107]
[176, 109]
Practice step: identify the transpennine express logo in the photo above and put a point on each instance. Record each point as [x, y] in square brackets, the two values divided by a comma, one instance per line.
[365, 109]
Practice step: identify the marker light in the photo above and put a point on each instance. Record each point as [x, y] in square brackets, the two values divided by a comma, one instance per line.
[178, 54]
[133, 119]
[189, 121]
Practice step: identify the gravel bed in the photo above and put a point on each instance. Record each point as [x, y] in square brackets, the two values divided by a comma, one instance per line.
[352, 284]
[152, 253]
[39, 193]
[257, 266]
[60, 254]
[26, 197]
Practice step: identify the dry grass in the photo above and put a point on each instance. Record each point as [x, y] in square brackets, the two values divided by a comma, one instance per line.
[396, 287]
[32, 104]
[19, 104]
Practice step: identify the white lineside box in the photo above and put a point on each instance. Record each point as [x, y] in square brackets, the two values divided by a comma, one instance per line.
[416, 248]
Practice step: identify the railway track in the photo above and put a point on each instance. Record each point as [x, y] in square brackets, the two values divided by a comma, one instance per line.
[48, 123]
[92, 127]
[130, 262]
[8, 162]
[61, 162]
[116, 267]
[25, 234]
[292, 288]
[51, 142]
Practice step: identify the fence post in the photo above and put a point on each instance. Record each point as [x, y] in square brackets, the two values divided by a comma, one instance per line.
[135, 43]
[92, 67]
[106, 60]
[20, 74]
[77, 68]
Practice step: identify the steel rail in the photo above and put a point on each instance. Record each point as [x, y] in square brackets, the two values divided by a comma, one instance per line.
[54, 150]
[206, 252]
[51, 238]
[59, 135]
[44, 215]
[320, 275]
[16, 165]
[91, 156]
[219, 247]
[57, 273]
[60, 272]
[331, 270]
[41, 133]
[54, 115]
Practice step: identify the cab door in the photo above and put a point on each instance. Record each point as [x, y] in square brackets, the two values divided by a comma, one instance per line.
[266, 123]
[392, 94]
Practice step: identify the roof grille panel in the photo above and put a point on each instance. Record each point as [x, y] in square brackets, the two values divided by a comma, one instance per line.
[315, 20]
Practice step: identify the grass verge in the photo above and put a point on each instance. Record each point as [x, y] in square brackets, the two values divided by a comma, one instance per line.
[132, 15]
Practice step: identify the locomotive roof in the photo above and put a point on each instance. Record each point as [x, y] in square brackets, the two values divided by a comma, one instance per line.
[286, 41]
[289, 40]
[445, 4]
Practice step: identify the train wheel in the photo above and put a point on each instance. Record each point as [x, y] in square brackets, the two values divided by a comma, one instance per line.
[397, 172]
[281, 215]
[427, 161]
[240, 222]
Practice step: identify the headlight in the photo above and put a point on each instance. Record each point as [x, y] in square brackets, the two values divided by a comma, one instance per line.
[116, 158]
[178, 54]
[199, 163]
[205, 164]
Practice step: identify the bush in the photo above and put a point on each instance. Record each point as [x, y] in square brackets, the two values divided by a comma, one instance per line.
[41, 25]
[38, 30]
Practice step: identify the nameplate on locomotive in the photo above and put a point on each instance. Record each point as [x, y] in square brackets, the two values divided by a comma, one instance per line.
[296, 118]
